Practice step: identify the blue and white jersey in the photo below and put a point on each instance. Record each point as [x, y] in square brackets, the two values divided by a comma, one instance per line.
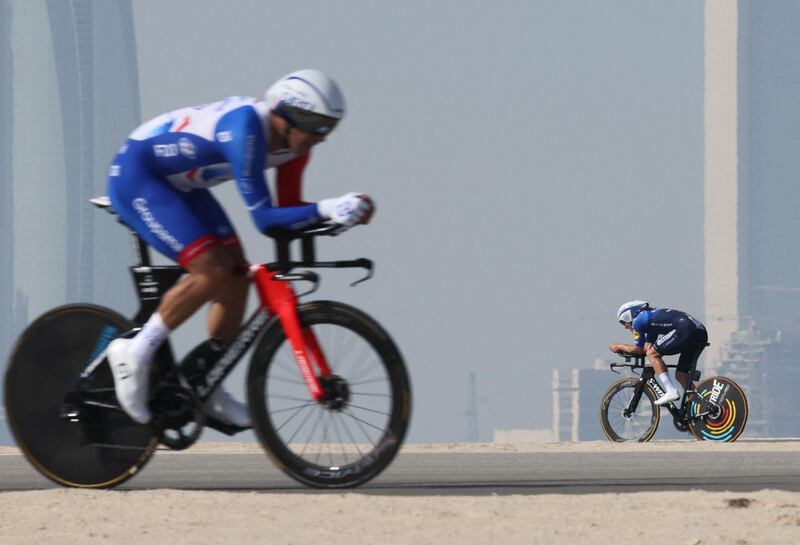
[650, 324]
[202, 146]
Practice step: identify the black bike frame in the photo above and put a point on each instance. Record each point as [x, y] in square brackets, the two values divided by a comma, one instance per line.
[648, 377]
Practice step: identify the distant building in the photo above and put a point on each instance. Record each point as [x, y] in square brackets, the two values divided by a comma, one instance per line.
[8, 327]
[69, 94]
[768, 369]
[592, 384]
[752, 259]
[565, 405]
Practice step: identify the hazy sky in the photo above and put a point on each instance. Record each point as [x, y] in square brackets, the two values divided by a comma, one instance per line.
[535, 164]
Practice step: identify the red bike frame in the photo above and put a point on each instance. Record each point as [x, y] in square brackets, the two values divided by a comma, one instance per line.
[279, 299]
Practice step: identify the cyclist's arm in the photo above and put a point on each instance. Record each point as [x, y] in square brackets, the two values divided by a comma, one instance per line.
[639, 347]
[630, 348]
[244, 147]
[289, 181]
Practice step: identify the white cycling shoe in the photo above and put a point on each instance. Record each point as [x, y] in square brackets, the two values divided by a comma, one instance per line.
[223, 407]
[131, 380]
[667, 398]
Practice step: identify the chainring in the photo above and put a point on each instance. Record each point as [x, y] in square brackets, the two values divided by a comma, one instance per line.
[178, 416]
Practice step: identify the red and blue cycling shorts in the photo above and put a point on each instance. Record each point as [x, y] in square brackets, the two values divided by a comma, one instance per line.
[179, 224]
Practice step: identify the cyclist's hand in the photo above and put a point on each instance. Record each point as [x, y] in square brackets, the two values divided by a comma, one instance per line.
[348, 210]
[370, 211]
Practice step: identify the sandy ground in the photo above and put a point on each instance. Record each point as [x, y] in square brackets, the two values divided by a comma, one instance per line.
[177, 517]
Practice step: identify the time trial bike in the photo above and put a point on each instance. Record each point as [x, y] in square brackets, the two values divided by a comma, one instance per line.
[713, 410]
[327, 389]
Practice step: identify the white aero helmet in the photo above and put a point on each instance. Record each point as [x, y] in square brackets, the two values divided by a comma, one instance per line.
[308, 100]
[630, 310]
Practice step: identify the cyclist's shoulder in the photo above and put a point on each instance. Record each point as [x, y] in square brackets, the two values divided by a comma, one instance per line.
[642, 320]
[672, 313]
[241, 117]
[241, 107]
[674, 316]
[202, 119]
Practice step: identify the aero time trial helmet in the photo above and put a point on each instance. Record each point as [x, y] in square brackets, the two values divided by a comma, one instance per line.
[308, 100]
[630, 310]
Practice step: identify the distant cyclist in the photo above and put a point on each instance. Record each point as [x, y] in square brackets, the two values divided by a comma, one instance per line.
[158, 184]
[661, 332]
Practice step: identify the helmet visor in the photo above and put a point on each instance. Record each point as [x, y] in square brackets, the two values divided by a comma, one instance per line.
[306, 121]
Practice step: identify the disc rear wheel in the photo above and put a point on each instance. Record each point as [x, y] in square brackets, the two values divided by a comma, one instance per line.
[717, 410]
[72, 431]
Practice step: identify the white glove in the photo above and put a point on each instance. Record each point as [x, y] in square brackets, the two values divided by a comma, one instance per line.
[347, 210]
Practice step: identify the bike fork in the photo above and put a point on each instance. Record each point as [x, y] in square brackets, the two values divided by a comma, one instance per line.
[279, 298]
[634, 402]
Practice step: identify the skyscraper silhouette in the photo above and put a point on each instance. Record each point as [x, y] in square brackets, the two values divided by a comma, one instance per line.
[752, 278]
[69, 94]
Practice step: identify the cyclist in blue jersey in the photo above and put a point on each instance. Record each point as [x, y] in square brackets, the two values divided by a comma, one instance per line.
[159, 185]
[661, 332]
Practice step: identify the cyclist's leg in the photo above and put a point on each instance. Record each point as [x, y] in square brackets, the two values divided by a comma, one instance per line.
[662, 373]
[227, 308]
[655, 351]
[208, 273]
[684, 365]
[667, 345]
[228, 301]
[130, 359]
[680, 340]
[654, 357]
[167, 220]
[687, 362]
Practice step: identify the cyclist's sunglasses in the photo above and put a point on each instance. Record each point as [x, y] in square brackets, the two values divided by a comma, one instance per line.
[307, 121]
